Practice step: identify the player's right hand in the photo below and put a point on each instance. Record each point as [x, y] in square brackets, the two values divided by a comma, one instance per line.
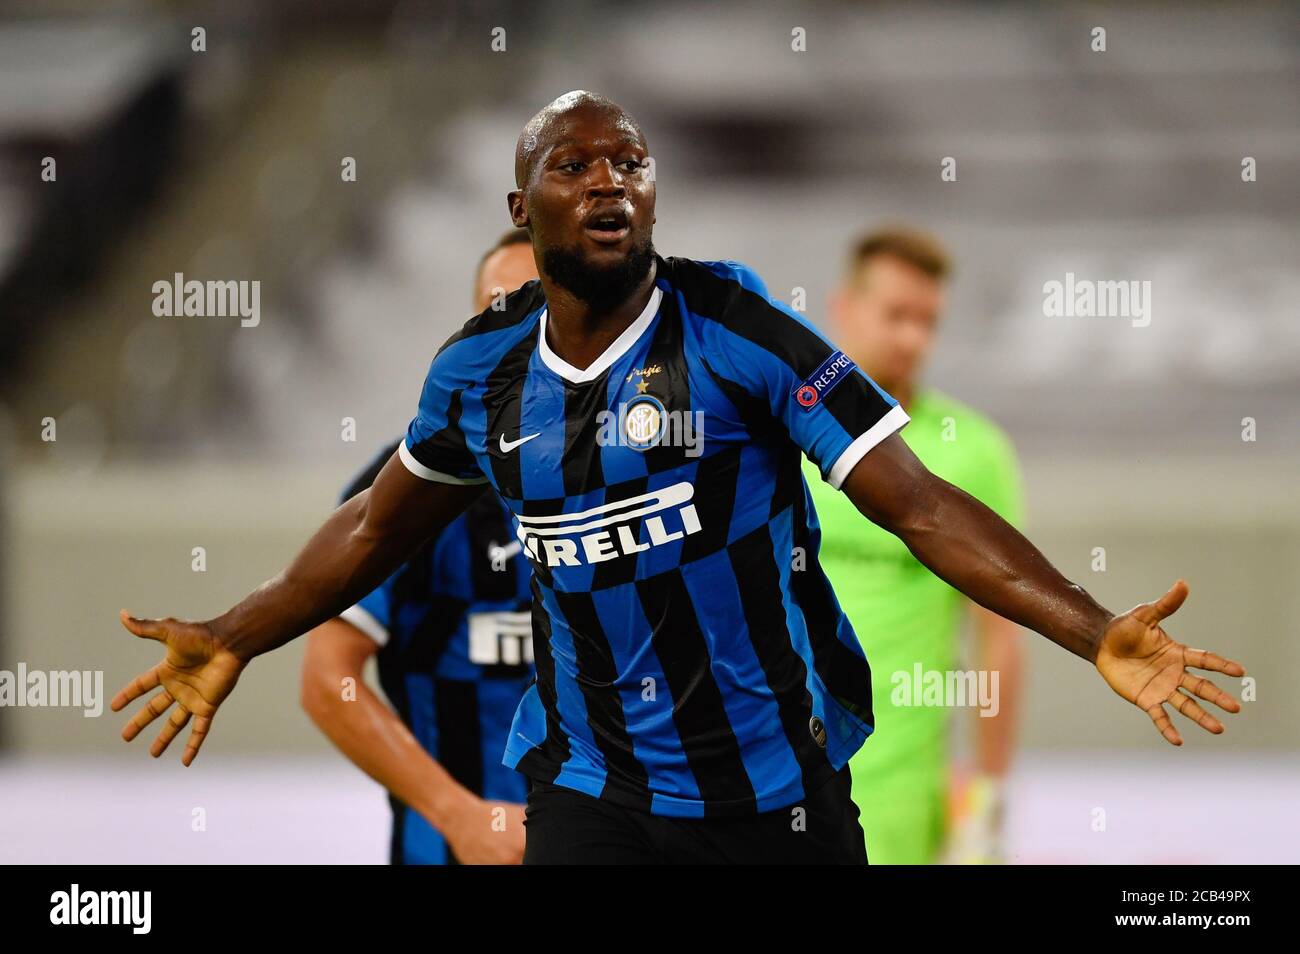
[486, 833]
[196, 675]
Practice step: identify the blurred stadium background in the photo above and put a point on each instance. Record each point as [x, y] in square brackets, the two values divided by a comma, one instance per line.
[178, 433]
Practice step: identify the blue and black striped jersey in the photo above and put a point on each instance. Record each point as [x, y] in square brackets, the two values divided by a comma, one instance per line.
[455, 655]
[692, 659]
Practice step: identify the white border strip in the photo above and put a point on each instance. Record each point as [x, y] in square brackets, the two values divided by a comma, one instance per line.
[615, 351]
[359, 617]
[878, 431]
[415, 467]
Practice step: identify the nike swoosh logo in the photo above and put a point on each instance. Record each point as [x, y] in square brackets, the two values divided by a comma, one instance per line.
[508, 446]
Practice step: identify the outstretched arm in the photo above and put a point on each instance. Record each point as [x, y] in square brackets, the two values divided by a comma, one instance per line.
[360, 544]
[969, 546]
[354, 551]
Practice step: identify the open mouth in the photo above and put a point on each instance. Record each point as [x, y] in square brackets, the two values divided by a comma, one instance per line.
[608, 226]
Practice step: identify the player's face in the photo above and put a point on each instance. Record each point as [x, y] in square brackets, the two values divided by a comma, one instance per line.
[591, 188]
[887, 318]
[504, 270]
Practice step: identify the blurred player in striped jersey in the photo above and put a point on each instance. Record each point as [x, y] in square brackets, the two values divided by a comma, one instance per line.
[452, 637]
[886, 316]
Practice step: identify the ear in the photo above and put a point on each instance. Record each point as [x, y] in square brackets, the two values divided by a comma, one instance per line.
[518, 208]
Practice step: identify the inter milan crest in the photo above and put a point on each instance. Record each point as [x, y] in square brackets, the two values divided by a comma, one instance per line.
[643, 421]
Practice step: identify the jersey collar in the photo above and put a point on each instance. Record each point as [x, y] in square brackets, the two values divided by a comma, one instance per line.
[621, 345]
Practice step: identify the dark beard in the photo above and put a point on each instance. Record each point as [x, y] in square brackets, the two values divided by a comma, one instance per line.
[603, 289]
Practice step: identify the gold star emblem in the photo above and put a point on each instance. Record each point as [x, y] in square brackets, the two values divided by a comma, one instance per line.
[642, 386]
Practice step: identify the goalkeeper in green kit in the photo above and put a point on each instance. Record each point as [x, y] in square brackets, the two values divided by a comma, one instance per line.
[885, 317]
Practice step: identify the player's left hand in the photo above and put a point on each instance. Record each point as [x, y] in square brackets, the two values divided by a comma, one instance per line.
[1140, 661]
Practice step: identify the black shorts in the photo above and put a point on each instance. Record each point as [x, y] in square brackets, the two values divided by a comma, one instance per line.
[568, 827]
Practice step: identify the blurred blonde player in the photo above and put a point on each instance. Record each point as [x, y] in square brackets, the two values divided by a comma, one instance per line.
[885, 316]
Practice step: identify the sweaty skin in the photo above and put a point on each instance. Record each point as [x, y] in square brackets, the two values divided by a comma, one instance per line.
[586, 159]
[578, 157]
[886, 314]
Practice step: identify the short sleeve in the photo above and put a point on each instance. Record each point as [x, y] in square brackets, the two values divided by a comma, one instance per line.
[435, 447]
[373, 613]
[831, 409]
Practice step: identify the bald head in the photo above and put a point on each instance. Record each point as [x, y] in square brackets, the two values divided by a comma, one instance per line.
[585, 193]
[549, 126]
